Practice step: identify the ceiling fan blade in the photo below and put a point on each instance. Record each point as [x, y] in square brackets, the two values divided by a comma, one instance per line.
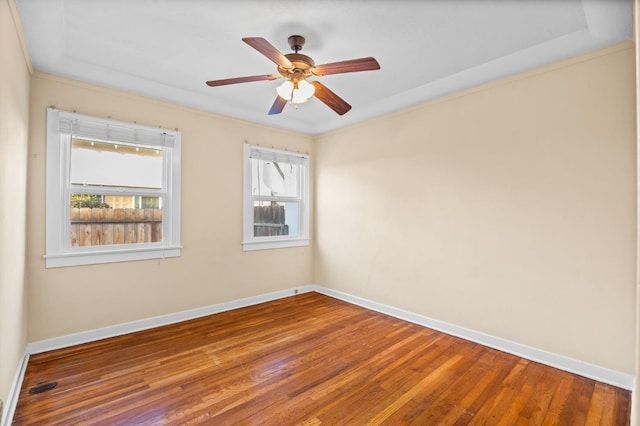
[278, 106]
[332, 100]
[268, 50]
[214, 83]
[352, 65]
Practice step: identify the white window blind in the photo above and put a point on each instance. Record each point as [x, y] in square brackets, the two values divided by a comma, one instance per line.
[267, 154]
[95, 128]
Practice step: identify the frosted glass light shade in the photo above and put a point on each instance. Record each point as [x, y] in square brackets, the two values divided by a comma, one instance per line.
[299, 95]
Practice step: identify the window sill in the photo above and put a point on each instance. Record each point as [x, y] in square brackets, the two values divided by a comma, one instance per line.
[274, 244]
[111, 256]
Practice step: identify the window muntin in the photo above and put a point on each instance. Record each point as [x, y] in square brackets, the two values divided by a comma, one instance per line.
[276, 198]
[113, 191]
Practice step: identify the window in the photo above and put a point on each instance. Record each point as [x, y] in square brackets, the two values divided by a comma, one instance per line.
[113, 191]
[276, 206]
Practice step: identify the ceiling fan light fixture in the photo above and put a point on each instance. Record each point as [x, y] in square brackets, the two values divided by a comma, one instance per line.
[296, 95]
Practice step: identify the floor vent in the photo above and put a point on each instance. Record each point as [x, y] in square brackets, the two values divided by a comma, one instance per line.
[43, 388]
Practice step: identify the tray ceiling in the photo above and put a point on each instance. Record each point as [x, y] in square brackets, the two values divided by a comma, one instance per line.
[426, 49]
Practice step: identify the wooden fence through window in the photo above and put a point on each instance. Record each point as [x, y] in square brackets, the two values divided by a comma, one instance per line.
[269, 221]
[104, 226]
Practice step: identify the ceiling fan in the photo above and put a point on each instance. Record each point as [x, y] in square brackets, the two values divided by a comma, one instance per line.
[296, 68]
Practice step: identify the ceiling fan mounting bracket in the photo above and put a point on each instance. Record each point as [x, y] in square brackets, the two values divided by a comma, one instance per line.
[296, 42]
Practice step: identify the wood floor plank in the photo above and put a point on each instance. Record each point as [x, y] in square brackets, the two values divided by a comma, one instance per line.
[375, 391]
[434, 406]
[308, 360]
[484, 392]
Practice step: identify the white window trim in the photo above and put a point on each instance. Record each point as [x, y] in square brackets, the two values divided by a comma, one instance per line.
[249, 242]
[59, 252]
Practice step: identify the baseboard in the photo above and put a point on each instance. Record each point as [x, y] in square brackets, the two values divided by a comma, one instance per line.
[130, 327]
[601, 374]
[561, 362]
[14, 392]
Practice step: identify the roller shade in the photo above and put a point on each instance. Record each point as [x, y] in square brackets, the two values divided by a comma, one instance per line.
[277, 156]
[82, 126]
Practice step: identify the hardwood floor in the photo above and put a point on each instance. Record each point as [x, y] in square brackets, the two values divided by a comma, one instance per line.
[307, 359]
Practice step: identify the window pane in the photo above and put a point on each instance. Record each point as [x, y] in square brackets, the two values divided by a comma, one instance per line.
[100, 163]
[274, 219]
[272, 178]
[98, 220]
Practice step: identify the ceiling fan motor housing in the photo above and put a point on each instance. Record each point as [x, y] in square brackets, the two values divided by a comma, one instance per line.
[302, 65]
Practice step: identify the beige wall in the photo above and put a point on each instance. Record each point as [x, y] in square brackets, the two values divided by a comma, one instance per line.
[509, 209]
[212, 269]
[14, 111]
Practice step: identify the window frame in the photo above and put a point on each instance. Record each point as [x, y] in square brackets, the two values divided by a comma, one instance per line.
[251, 242]
[59, 251]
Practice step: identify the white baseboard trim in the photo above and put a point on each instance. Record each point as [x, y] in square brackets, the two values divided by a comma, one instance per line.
[14, 392]
[561, 362]
[130, 327]
[601, 374]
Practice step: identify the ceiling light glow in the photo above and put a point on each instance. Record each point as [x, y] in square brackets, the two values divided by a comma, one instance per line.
[296, 94]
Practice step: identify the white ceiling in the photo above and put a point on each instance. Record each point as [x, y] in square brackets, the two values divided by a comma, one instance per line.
[168, 49]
